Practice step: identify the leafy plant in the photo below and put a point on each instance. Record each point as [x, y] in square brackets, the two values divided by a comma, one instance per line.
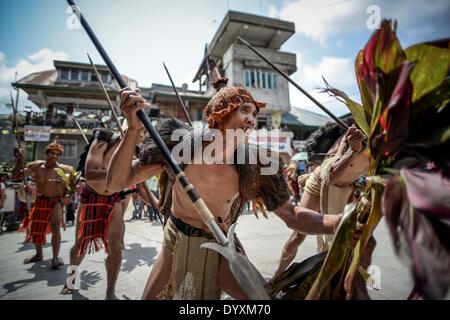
[405, 115]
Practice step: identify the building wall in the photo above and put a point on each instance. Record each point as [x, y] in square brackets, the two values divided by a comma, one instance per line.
[73, 159]
[7, 148]
[237, 58]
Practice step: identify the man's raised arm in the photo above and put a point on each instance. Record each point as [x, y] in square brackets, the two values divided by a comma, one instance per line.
[123, 170]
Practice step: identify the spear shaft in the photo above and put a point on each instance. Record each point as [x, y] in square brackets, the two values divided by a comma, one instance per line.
[22, 163]
[81, 131]
[178, 96]
[113, 110]
[284, 75]
[116, 118]
[246, 274]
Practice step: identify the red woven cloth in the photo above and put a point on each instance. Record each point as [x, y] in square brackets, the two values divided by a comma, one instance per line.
[37, 223]
[95, 217]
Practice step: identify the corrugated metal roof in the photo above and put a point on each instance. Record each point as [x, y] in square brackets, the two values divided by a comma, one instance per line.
[304, 118]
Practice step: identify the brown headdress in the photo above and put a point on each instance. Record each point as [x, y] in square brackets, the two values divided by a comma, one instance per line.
[226, 100]
[55, 146]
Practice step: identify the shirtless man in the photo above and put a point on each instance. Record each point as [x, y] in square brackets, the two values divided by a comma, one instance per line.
[46, 214]
[100, 212]
[183, 270]
[347, 164]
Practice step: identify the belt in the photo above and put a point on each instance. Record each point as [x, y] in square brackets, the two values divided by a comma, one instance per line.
[189, 230]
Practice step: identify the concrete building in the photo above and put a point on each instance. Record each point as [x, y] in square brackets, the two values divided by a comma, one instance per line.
[68, 92]
[165, 102]
[244, 69]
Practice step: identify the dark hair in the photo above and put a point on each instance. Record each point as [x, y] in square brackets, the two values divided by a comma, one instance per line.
[323, 139]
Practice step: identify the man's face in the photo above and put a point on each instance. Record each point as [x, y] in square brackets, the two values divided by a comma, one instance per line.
[53, 156]
[242, 118]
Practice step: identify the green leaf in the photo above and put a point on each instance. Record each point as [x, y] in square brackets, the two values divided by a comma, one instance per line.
[355, 108]
[359, 251]
[432, 65]
[337, 254]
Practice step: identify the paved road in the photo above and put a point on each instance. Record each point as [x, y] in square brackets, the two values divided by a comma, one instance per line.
[263, 240]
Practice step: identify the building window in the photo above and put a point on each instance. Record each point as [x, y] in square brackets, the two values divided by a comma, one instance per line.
[64, 74]
[70, 148]
[252, 78]
[247, 78]
[256, 78]
[84, 75]
[74, 74]
[93, 77]
[105, 77]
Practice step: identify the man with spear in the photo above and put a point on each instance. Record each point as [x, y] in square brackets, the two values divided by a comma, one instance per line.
[224, 188]
[184, 269]
[100, 213]
[46, 215]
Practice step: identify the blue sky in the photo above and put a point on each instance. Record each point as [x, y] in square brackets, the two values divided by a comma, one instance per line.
[140, 34]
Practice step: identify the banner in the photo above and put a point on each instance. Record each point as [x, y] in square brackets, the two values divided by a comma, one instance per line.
[37, 133]
[279, 141]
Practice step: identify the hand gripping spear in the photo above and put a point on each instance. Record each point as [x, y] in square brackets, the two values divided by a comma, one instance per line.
[284, 75]
[119, 125]
[22, 164]
[245, 273]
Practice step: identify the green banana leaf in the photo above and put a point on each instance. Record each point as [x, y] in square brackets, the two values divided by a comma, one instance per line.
[337, 253]
[432, 65]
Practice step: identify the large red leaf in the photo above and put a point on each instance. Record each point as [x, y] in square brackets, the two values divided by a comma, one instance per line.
[395, 118]
[421, 237]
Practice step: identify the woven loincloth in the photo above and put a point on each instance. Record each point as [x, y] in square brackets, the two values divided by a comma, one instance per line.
[194, 272]
[37, 223]
[95, 217]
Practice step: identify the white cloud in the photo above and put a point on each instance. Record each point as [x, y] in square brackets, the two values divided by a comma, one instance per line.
[339, 73]
[321, 19]
[274, 12]
[316, 18]
[38, 61]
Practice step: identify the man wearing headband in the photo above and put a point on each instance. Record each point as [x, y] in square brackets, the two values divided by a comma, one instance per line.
[183, 270]
[46, 215]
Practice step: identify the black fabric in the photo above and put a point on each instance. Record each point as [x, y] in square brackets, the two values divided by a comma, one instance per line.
[321, 140]
[189, 230]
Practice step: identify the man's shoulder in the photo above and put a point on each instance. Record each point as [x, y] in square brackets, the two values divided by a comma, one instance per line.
[35, 164]
[66, 167]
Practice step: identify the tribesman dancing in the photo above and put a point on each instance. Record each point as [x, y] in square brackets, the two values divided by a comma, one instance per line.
[100, 213]
[183, 270]
[46, 215]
